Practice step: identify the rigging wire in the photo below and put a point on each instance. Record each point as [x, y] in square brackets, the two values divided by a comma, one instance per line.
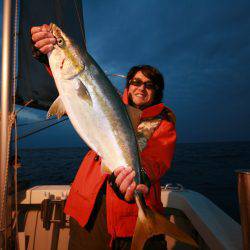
[80, 23]
[14, 79]
[14, 75]
[24, 106]
[36, 122]
[41, 129]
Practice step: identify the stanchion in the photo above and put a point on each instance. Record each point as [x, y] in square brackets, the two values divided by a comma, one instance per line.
[244, 202]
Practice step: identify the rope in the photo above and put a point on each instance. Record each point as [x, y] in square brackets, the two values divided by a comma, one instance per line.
[3, 209]
[16, 166]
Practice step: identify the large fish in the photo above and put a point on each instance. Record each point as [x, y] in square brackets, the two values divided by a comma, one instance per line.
[101, 119]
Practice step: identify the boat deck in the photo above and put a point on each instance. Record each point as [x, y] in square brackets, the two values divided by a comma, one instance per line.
[44, 226]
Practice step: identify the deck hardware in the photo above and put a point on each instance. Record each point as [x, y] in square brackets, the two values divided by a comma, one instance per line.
[52, 212]
[46, 213]
[174, 187]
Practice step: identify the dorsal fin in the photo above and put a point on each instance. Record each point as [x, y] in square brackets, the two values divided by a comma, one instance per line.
[135, 116]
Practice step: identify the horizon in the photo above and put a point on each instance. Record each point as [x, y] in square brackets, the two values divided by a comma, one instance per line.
[201, 48]
[178, 143]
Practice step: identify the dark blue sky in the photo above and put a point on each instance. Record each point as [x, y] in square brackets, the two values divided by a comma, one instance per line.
[201, 47]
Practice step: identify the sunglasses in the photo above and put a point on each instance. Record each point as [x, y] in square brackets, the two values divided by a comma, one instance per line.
[148, 85]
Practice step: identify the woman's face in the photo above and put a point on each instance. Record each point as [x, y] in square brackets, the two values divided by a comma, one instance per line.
[141, 90]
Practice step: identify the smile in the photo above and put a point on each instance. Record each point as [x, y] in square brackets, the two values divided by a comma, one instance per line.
[140, 95]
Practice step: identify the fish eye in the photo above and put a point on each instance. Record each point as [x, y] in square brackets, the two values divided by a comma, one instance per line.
[60, 42]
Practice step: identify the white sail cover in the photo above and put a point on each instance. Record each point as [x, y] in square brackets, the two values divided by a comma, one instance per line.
[33, 81]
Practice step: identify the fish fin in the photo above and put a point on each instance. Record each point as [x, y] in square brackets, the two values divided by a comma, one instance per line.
[150, 223]
[57, 108]
[105, 169]
[135, 116]
[83, 92]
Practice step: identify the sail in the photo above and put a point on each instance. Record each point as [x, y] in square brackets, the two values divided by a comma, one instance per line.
[33, 82]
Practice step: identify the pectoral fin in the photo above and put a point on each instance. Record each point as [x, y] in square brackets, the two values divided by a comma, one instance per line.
[135, 116]
[105, 169]
[57, 108]
[83, 92]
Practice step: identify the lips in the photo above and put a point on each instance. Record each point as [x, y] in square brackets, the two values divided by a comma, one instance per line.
[140, 95]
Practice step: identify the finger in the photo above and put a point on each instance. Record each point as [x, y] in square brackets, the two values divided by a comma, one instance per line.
[36, 37]
[143, 188]
[45, 27]
[120, 177]
[46, 49]
[35, 29]
[41, 34]
[129, 195]
[127, 182]
[118, 171]
[44, 42]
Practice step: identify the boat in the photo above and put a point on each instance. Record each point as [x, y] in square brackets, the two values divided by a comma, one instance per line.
[33, 218]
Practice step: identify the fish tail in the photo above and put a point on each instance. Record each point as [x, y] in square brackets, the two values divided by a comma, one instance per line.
[150, 223]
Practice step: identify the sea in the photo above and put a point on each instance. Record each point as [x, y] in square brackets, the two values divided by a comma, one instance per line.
[207, 168]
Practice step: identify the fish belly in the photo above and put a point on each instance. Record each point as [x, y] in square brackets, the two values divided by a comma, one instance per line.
[92, 124]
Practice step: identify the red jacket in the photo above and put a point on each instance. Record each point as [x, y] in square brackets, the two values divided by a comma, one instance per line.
[121, 216]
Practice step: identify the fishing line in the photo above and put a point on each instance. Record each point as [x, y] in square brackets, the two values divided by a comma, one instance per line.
[81, 24]
[119, 75]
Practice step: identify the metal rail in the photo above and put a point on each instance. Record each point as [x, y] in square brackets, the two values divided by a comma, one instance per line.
[5, 108]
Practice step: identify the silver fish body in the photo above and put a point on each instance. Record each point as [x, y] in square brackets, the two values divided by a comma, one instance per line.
[94, 106]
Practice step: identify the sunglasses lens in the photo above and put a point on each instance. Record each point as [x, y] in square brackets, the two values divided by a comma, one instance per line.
[136, 83]
[148, 85]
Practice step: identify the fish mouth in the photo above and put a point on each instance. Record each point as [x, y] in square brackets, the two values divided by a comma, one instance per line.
[55, 30]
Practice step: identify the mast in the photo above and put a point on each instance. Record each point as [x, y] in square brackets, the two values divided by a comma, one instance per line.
[5, 114]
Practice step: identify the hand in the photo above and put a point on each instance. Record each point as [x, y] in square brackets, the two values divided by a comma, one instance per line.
[126, 184]
[43, 39]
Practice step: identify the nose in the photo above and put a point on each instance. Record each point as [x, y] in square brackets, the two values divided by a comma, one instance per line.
[142, 87]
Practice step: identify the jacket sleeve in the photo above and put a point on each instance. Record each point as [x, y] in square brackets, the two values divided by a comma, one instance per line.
[158, 154]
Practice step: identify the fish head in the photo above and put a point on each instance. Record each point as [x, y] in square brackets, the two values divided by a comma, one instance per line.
[65, 55]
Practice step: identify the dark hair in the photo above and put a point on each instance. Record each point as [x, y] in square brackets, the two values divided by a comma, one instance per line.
[153, 74]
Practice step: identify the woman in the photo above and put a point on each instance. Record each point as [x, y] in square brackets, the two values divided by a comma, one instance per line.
[104, 214]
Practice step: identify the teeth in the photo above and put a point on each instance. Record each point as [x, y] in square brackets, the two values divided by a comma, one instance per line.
[139, 95]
